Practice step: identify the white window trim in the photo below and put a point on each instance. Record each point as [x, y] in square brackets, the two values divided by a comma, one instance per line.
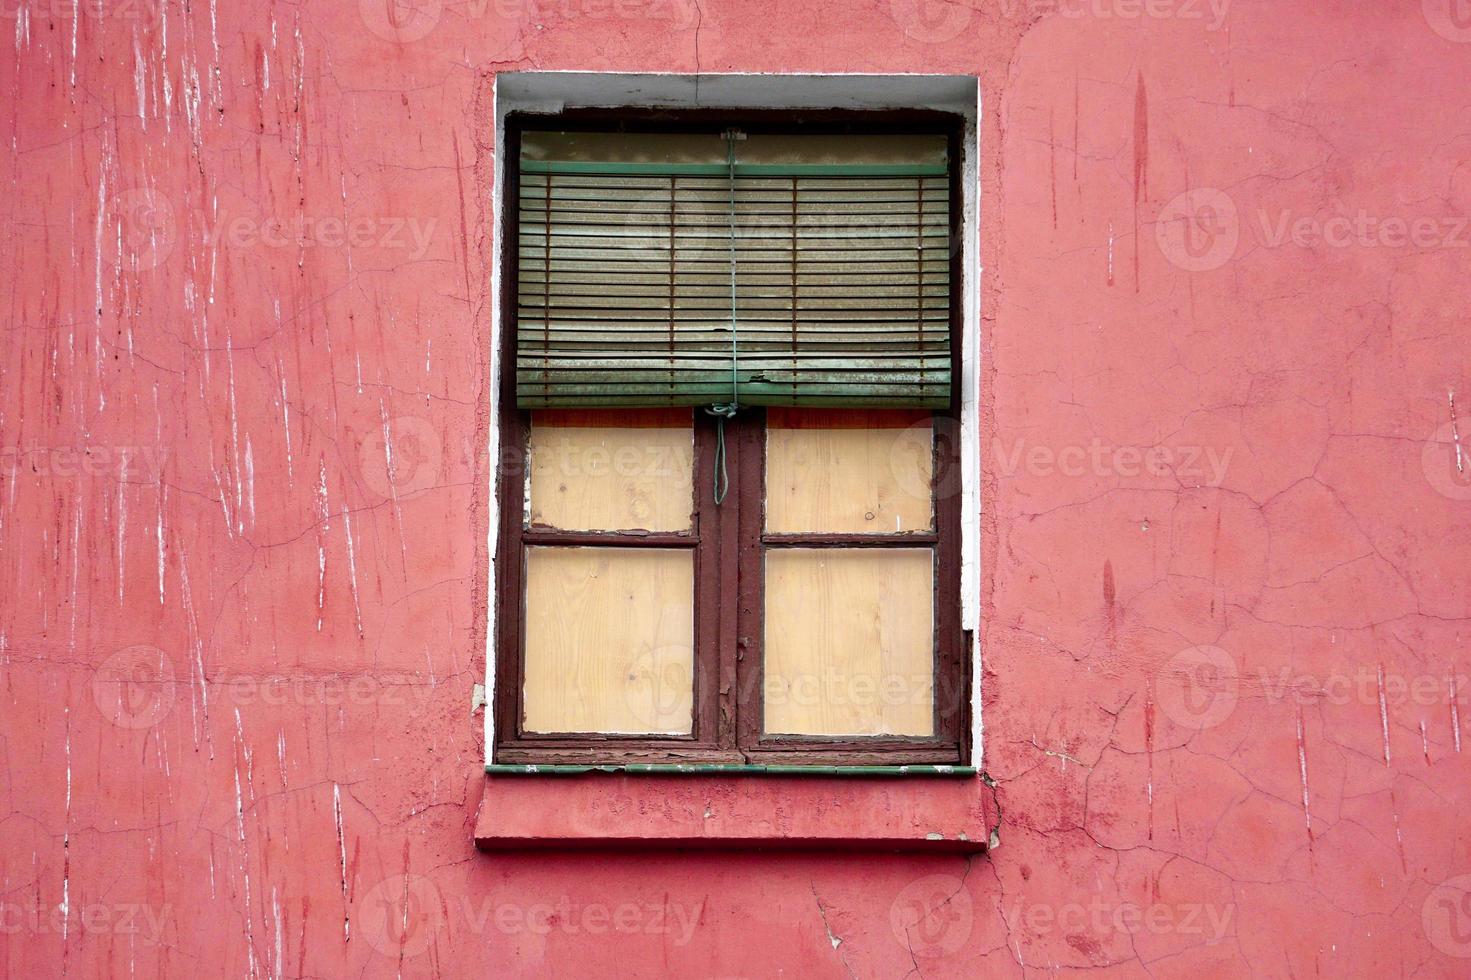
[553, 91]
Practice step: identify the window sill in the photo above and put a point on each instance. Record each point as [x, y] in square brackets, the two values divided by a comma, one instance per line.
[724, 769]
[653, 807]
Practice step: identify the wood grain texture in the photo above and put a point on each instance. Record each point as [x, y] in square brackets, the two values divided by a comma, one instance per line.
[849, 645]
[609, 641]
[614, 478]
[866, 480]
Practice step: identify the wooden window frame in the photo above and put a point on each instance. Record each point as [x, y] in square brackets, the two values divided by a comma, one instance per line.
[729, 541]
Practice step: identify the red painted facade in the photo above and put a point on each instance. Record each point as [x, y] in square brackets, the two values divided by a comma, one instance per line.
[1226, 394]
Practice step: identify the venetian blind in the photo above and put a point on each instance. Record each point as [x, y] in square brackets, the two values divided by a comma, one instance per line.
[698, 283]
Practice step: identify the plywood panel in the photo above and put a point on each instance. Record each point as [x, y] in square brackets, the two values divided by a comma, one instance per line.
[848, 478]
[612, 477]
[849, 641]
[609, 640]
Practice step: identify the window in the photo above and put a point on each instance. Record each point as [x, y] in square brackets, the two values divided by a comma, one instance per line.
[730, 342]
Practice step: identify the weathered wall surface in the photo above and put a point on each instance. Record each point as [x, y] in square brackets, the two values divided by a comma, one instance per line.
[1227, 512]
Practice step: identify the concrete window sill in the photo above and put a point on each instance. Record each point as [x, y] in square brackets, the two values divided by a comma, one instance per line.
[621, 809]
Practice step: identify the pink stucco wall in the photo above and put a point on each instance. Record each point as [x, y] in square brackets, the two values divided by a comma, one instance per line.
[1227, 589]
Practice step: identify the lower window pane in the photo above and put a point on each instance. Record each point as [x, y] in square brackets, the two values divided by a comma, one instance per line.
[849, 647]
[609, 641]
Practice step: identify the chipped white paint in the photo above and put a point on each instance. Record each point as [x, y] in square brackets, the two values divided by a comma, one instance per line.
[1456, 433]
[342, 862]
[1383, 715]
[1455, 714]
[1302, 766]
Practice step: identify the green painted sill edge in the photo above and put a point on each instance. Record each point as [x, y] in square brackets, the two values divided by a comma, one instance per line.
[719, 769]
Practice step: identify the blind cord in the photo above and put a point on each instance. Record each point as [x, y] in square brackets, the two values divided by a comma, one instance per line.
[728, 409]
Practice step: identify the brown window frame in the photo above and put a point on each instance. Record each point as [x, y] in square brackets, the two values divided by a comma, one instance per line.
[729, 541]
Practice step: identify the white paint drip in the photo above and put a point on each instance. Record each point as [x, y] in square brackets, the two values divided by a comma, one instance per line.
[1456, 433]
[1383, 715]
[352, 569]
[322, 540]
[244, 852]
[1455, 714]
[1302, 765]
[342, 859]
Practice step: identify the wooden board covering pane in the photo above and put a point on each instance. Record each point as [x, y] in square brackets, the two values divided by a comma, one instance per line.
[619, 476]
[609, 641]
[849, 646]
[870, 477]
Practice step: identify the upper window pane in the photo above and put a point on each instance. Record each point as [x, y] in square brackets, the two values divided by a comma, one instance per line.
[612, 470]
[866, 472]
